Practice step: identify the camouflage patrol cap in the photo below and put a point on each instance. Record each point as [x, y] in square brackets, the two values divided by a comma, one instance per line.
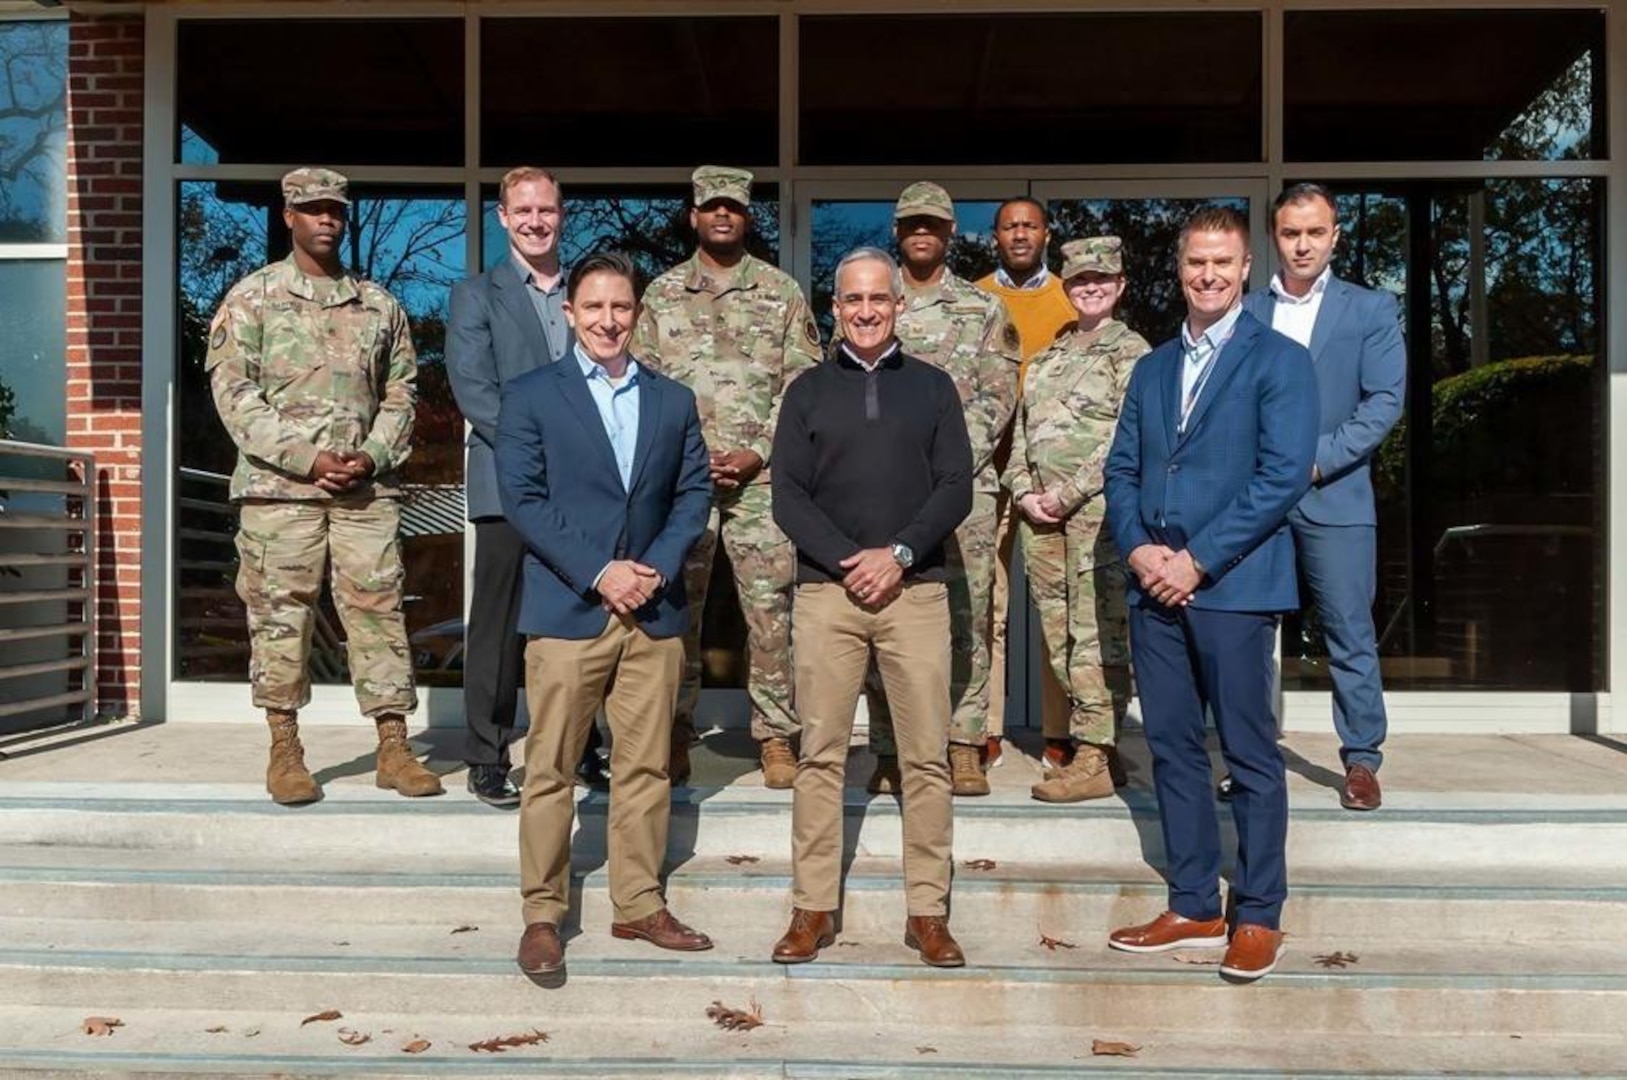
[721, 182]
[1098, 253]
[314, 185]
[924, 199]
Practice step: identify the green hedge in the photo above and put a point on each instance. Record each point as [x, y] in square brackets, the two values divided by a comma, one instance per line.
[1512, 427]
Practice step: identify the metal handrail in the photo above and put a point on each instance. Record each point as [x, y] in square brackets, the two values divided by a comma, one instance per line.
[77, 518]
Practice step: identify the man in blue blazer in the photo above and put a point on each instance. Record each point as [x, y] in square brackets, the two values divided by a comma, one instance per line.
[504, 323]
[1214, 447]
[602, 470]
[1354, 336]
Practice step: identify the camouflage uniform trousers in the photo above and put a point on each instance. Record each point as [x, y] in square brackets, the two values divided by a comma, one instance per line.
[283, 546]
[970, 556]
[764, 563]
[1078, 586]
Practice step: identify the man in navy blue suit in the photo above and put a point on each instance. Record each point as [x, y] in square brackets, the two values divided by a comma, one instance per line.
[1214, 447]
[1354, 337]
[602, 470]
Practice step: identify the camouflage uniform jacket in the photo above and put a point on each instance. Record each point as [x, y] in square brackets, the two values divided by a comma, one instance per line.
[1068, 413]
[736, 341]
[293, 375]
[967, 333]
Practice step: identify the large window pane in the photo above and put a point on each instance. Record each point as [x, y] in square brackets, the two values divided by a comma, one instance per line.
[321, 91]
[409, 240]
[1460, 85]
[1491, 516]
[649, 222]
[623, 91]
[991, 89]
[33, 343]
[33, 138]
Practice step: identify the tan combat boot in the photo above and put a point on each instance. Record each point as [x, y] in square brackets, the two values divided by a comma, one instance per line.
[398, 770]
[779, 763]
[1085, 777]
[966, 770]
[288, 781]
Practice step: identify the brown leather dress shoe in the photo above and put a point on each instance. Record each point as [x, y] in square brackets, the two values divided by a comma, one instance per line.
[1361, 790]
[1170, 931]
[663, 931]
[540, 950]
[929, 935]
[1253, 952]
[810, 931]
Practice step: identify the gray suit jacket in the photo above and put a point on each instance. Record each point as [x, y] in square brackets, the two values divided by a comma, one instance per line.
[493, 336]
[1361, 378]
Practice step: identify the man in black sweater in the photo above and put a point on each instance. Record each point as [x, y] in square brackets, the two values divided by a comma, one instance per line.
[872, 472]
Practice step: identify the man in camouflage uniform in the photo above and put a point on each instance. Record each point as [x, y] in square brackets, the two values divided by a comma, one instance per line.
[736, 331]
[314, 374]
[1064, 429]
[949, 322]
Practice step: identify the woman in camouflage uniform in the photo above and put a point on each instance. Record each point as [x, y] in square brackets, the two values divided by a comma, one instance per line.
[1063, 431]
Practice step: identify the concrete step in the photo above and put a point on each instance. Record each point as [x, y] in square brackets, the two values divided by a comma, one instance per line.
[685, 1044]
[1085, 900]
[1401, 990]
[1425, 833]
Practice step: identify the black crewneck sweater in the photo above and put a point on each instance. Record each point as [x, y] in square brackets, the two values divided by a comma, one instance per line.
[867, 459]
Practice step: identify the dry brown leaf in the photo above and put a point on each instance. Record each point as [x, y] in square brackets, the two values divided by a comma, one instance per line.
[100, 1025]
[979, 864]
[1105, 1048]
[741, 860]
[504, 1042]
[322, 1017]
[735, 1019]
[218, 1029]
[340, 944]
[1336, 960]
[466, 929]
[1193, 958]
[352, 1037]
[249, 1033]
[417, 1046]
[1056, 943]
[926, 1049]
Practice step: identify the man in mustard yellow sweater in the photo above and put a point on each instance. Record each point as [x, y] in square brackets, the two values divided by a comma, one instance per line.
[1034, 298]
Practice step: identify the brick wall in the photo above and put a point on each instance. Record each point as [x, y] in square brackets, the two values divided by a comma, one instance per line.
[104, 324]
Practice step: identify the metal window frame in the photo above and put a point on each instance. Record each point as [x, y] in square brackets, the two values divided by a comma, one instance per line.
[799, 185]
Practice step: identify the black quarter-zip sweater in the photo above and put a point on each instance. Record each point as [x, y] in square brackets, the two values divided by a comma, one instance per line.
[866, 459]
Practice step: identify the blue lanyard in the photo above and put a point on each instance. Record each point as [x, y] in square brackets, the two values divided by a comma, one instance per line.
[1200, 382]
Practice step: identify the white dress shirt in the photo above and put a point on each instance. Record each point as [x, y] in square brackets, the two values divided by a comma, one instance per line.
[1295, 316]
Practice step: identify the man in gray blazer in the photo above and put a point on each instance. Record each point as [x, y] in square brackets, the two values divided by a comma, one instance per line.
[1354, 336]
[504, 323]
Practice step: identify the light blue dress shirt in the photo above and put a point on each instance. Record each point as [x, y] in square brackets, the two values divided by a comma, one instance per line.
[618, 409]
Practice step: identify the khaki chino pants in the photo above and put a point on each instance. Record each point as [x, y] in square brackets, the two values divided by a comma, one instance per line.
[833, 637]
[635, 678]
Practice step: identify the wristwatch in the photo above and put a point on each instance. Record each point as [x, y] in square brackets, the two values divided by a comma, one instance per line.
[1203, 571]
[903, 555]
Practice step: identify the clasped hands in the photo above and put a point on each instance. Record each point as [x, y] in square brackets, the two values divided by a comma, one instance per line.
[341, 471]
[874, 577]
[1168, 576]
[627, 585]
[1041, 507]
[732, 468]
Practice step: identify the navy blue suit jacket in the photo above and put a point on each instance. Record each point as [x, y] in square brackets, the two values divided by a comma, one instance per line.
[492, 335]
[562, 492]
[1222, 489]
[1361, 376]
